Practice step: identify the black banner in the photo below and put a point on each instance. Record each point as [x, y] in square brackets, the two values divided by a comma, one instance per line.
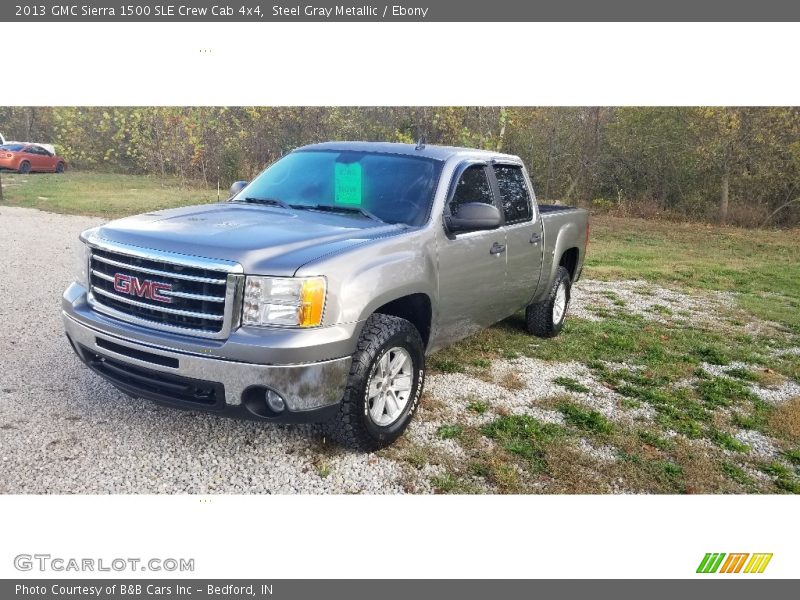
[406, 10]
[263, 589]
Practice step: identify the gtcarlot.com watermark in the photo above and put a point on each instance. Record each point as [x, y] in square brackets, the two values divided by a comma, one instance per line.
[59, 564]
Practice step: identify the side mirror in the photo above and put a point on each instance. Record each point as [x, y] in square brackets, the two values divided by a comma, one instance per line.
[473, 216]
[237, 187]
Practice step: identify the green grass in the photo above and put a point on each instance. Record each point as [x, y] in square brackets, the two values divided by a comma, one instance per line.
[585, 419]
[525, 437]
[727, 442]
[446, 484]
[573, 385]
[668, 351]
[477, 406]
[788, 366]
[793, 456]
[101, 194]
[676, 409]
[762, 266]
[652, 439]
[785, 479]
[667, 474]
[660, 309]
[479, 469]
[742, 374]
[721, 391]
[443, 364]
[757, 418]
[712, 354]
[448, 432]
[615, 299]
[737, 474]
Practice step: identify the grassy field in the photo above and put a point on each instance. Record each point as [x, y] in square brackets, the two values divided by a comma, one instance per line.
[687, 389]
[761, 266]
[700, 381]
[102, 194]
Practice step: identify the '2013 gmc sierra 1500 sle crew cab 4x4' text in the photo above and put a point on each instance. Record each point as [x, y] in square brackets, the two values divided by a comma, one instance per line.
[316, 291]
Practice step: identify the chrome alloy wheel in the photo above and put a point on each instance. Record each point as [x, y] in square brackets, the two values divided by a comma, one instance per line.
[390, 386]
[560, 304]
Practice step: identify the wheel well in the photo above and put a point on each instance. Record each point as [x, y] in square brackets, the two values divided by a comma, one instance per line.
[415, 308]
[569, 260]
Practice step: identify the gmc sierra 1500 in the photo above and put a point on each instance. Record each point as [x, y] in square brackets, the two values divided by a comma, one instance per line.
[317, 290]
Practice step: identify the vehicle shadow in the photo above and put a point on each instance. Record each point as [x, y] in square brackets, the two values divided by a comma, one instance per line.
[514, 323]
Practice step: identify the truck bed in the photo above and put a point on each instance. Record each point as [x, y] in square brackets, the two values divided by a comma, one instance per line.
[553, 208]
[565, 229]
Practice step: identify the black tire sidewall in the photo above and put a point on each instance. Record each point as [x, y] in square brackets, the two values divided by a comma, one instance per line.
[409, 340]
[60, 167]
[22, 167]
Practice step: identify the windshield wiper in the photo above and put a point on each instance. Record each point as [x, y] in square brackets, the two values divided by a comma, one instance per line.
[353, 210]
[269, 201]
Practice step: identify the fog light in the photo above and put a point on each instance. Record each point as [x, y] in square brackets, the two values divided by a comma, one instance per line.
[274, 401]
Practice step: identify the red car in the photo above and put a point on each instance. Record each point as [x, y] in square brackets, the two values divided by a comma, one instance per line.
[28, 158]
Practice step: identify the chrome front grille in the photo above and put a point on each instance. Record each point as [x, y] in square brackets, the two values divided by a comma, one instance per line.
[171, 292]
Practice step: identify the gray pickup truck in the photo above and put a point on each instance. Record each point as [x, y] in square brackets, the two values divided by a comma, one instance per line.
[315, 293]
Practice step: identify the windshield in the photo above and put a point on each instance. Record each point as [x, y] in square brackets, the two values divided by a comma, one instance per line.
[12, 147]
[392, 187]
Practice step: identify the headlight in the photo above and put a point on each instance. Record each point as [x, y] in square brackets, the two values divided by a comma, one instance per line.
[82, 266]
[284, 301]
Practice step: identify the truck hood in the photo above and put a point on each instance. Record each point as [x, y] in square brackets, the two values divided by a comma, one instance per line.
[265, 240]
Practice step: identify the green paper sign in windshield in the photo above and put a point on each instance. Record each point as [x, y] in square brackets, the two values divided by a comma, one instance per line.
[348, 183]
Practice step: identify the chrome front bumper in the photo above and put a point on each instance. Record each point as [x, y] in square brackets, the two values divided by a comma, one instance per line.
[304, 387]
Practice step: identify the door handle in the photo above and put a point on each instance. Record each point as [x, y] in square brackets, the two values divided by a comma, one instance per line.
[536, 238]
[497, 248]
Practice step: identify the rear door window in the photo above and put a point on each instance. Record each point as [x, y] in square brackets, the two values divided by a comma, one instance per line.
[472, 186]
[514, 193]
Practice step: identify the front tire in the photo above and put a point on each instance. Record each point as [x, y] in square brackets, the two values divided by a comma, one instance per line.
[384, 385]
[546, 318]
[24, 167]
[60, 167]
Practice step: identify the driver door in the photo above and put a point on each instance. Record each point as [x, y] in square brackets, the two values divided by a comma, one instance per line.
[472, 264]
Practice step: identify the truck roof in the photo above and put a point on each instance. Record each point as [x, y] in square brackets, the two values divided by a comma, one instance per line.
[428, 151]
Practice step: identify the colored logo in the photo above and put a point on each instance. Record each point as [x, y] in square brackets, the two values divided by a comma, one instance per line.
[143, 288]
[719, 562]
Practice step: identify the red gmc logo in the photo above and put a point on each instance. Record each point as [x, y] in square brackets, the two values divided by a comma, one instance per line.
[143, 288]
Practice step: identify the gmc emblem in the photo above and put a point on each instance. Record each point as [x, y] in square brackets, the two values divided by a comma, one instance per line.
[143, 288]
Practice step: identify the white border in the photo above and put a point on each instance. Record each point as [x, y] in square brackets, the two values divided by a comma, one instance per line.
[301, 537]
[402, 64]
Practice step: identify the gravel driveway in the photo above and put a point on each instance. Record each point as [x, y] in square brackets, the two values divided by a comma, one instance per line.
[65, 430]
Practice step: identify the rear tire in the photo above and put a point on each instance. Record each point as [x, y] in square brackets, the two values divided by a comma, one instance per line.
[546, 318]
[60, 167]
[24, 167]
[377, 406]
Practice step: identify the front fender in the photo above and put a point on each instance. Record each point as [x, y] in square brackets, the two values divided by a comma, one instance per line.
[365, 278]
[384, 280]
